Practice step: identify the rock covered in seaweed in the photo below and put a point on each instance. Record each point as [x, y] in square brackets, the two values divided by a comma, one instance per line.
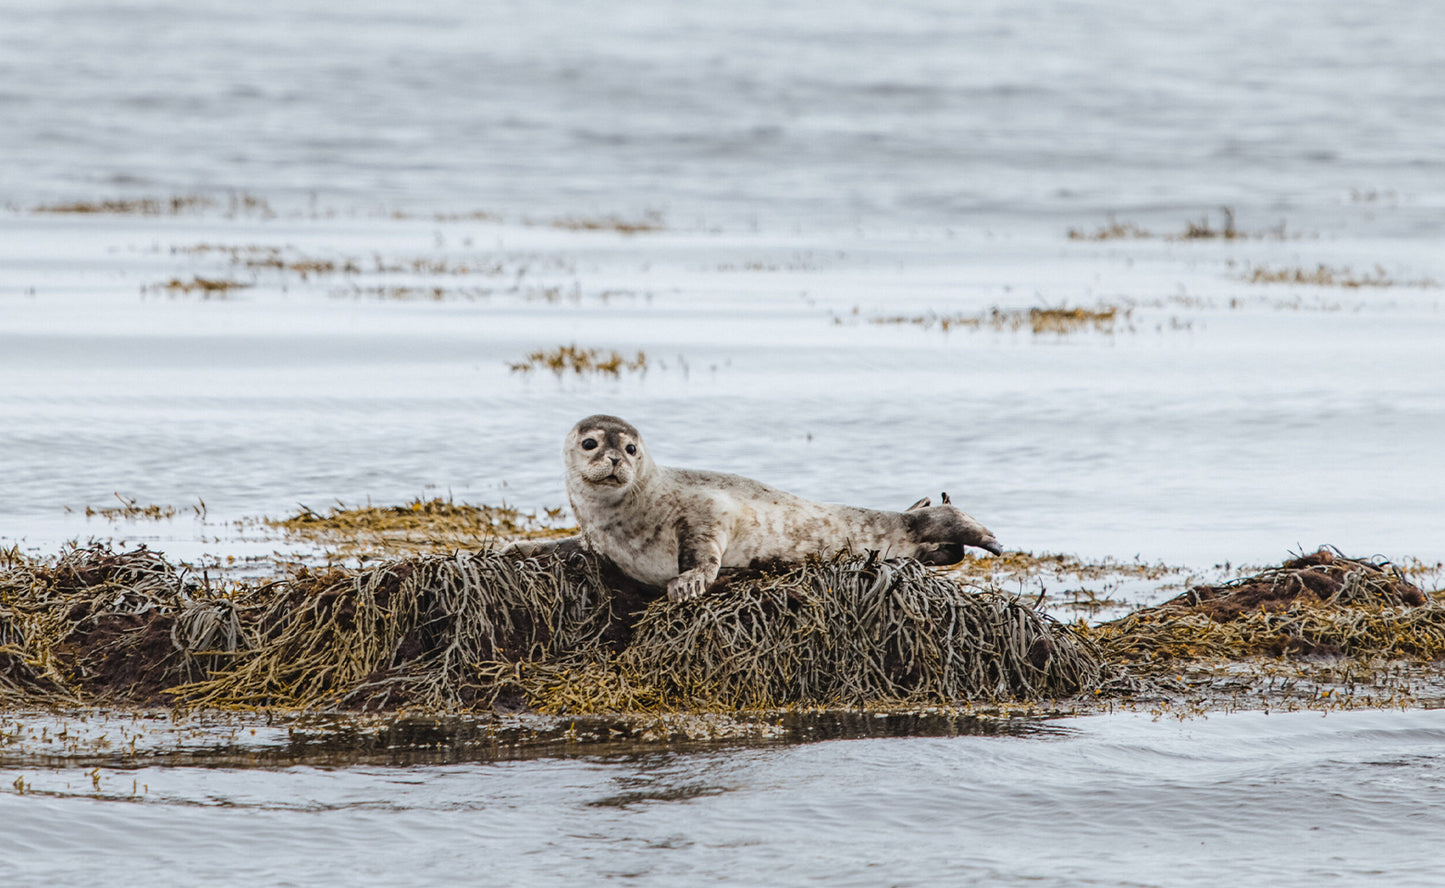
[1321, 604]
[1320, 578]
[468, 632]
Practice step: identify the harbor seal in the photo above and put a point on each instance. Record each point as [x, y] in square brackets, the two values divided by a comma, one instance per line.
[676, 528]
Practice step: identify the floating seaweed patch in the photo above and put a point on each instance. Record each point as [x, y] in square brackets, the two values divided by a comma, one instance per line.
[648, 223]
[131, 509]
[210, 288]
[429, 526]
[1070, 320]
[1203, 229]
[171, 206]
[471, 216]
[236, 253]
[1058, 321]
[1327, 276]
[581, 361]
[1114, 230]
[236, 204]
[304, 266]
[414, 294]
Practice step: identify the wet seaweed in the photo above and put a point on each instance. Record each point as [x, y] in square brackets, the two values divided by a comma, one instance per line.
[1058, 321]
[210, 288]
[94, 624]
[484, 631]
[135, 207]
[570, 635]
[1328, 276]
[1113, 230]
[1203, 229]
[131, 509]
[236, 204]
[1321, 604]
[438, 633]
[848, 632]
[580, 362]
[647, 224]
[422, 526]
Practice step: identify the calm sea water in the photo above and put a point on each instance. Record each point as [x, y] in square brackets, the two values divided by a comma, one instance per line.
[785, 111]
[816, 167]
[1280, 799]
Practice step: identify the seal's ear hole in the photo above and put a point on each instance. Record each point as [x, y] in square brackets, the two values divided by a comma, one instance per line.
[589, 444]
[631, 449]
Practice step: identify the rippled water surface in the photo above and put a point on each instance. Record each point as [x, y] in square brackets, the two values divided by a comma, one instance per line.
[1280, 799]
[776, 110]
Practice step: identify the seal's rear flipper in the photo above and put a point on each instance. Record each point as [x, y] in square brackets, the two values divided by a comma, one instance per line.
[921, 504]
[942, 533]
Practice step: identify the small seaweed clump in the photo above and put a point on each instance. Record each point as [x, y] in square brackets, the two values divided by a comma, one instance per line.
[580, 361]
[649, 223]
[1115, 230]
[130, 509]
[207, 287]
[1321, 604]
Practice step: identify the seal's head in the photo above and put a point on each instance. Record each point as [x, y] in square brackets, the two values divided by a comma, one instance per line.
[604, 452]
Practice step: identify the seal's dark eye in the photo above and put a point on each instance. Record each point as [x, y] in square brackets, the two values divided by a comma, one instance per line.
[631, 449]
[589, 444]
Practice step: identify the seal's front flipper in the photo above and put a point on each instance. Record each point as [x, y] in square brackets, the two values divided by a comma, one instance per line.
[700, 547]
[921, 504]
[689, 584]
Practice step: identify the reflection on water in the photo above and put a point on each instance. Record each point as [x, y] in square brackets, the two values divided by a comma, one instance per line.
[218, 740]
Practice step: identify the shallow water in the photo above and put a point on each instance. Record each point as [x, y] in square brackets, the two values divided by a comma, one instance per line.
[1280, 799]
[1218, 421]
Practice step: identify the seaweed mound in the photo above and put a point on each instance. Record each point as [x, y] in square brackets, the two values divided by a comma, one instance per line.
[473, 631]
[1321, 604]
[436, 633]
[97, 625]
[1321, 578]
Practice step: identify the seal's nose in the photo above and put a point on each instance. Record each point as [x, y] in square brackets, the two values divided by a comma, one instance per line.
[615, 460]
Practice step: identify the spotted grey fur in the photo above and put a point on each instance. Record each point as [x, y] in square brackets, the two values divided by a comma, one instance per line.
[674, 527]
